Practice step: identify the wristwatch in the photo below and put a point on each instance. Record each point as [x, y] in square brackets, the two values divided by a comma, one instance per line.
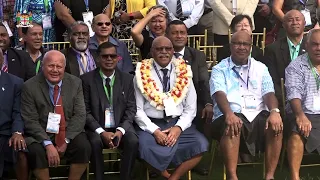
[275, 110]
[20, 39]
[67, 140]
[19, 133]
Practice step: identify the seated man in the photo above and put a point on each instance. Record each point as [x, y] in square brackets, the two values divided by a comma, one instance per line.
[33, 37]
[165, 111]
[242, 92]
[54, 113]
[12, 144]
[100, 88]
[302, 85]
[80, 59]
[102, 27]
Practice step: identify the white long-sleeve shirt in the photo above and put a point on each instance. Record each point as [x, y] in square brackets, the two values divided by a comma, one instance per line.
[187, 108]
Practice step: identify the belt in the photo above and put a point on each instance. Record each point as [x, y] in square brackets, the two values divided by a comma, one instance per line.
[206, 11]
[167, 119]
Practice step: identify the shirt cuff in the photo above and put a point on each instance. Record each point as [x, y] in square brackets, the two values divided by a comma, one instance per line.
[121, 130]
[152, 128]
[46, 143]
[99, 130]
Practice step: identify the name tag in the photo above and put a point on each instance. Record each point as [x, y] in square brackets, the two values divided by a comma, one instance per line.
[316, 102]
[187, 7]
[170, 107]
[87, 18]
[46, 22]
[307, 16]
[109, 118]
[53, 123]
[250, 102]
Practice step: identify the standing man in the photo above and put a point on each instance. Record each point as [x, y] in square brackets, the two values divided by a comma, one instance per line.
[12, 143]
[187, 11]
[102, 27]
[15, 62]
[302, 86]
[242, 91]
[111, 108]
[165, 111]
[80, 59]
[53, 110]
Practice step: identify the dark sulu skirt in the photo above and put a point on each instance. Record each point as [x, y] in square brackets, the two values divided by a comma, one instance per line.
[312, 142]
[190, 143]
[8, 156]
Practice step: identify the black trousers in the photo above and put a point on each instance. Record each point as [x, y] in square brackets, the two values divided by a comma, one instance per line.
[129, 144]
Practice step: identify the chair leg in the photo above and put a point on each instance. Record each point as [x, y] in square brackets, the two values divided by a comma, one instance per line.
[88, 171]
[224, 173]
[189, 175]
[213, 150]
[147, 173]
[264, 166]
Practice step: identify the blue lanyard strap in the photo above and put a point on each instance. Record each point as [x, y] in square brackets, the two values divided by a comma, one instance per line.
[161, 80]
[237, 73]
[86, 2]
[51, 97]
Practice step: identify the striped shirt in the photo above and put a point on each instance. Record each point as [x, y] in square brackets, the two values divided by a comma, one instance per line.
[301, 84]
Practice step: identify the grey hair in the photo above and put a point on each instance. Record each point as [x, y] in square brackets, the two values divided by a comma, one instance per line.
[45, 57]
[70, 29]
[310, 33]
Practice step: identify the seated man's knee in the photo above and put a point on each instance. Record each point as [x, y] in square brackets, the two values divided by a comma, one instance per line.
[133, 141]
[296, 138]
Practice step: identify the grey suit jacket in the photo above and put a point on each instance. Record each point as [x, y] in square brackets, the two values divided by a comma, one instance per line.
[36, 105]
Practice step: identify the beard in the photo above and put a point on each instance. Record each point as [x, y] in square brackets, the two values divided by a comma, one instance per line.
[81, 46]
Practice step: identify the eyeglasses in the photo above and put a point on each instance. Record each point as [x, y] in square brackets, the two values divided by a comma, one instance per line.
[243, 25]
[238, 44]
[166, 48]
[106, 23]
[106, 56]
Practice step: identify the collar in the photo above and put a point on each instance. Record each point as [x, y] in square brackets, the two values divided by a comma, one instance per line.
[105, 77]
[232, 65]
[86, 52]
[291, 44]
[52, 85]
[5, 53]
[159, 67]
[182, 51]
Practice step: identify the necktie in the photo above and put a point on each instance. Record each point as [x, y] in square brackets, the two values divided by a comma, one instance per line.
[60, 137]
[108, 87]
[165, 80]
[179, 8]
[84, 63]
[5, 68]
[177, 55]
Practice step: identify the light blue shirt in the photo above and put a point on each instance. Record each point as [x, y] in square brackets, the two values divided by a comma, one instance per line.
[238, 82]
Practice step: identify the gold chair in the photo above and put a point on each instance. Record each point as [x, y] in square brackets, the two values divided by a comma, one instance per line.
[56, 45]
[133, 50]
[257, 37]
[201, 38]
[210, 52]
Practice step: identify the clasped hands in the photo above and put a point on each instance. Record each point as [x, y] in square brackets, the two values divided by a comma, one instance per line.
[167, 137]
[107, 138]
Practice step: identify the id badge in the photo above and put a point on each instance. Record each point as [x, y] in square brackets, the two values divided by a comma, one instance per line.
[46, 21]
[187, 7]
[316, 102]
[307, 16]
[53, 123]
[109, 119]
[250, 103]
[87, 18]
[170, 107]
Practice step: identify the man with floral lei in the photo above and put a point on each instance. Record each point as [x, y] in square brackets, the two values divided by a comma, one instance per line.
[166, 106]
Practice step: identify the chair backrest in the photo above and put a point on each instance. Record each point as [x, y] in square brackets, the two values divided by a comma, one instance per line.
[202, 38]
[133, 50]
[56, 45]
[211, 54]
[256, 38]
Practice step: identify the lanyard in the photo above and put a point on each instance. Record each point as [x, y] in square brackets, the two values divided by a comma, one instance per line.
[86, 2]
[1, 11]
[46, 5]
[111, 88]
[38, 66]
[314, 73]
[237, 73]
[51, 97]
[161, 80]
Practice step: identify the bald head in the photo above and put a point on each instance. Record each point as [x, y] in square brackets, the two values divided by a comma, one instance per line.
[241, 35]
[240, 47]
[53, 66]
[101, 25]
[294, 23]
[162, 50]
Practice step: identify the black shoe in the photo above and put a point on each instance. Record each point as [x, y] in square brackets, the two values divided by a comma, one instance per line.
[201, 171]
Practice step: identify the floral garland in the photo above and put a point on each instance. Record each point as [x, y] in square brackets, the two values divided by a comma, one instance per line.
[148, 86]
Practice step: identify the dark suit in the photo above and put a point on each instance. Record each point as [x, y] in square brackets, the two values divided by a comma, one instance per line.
[10, 117]
[72, 66]
[277, 58]
[35, 108]
[20, 64]
[256, 53]
[124, 104]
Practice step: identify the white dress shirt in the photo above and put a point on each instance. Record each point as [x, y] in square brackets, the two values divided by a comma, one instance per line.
[194, 10]
[187, 108]
[101, 130]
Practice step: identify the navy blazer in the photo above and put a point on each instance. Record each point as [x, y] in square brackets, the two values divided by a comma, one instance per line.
[10, 117]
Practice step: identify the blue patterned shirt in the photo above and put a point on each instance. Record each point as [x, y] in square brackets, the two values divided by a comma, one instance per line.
[239, 83]
[301, 84]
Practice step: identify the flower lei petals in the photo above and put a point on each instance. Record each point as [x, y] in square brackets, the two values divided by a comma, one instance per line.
[148, 86]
